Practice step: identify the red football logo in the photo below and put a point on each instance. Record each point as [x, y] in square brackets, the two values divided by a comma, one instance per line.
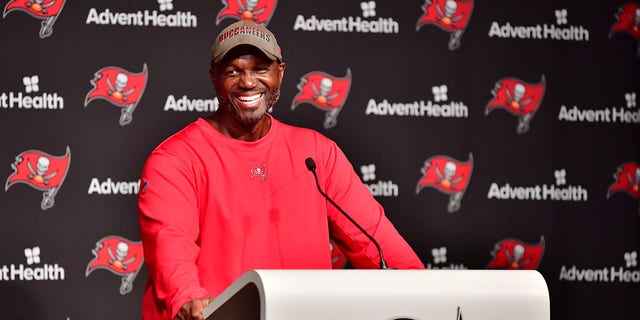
[41, 171]
[120, 256]
[120, 88]
[514, 254]
[258, 11]
[519, 98]
[325, 92]
[47, 10]
[449, 15]
[447, 175]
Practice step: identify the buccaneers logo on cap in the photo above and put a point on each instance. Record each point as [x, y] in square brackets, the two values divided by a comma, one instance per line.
[41, 171]
[258, 11]
[514, 254]
[120, 256]
[520, 98]
[324, 91]
[627, 21]
[447, 175]
[449, 15]
[46, 10]
[121, 88]
[627, 180]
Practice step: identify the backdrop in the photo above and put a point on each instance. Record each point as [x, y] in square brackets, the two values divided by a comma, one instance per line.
[497, 134]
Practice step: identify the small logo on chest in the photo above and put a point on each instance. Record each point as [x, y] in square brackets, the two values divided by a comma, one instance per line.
[259, 171]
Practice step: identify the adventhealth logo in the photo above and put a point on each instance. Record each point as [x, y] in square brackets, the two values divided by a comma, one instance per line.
[32, 271]
[558, 192]
[368, 23]
[111, 187]
[440, 107]
[440, 260]
[625, 274]
[559, 31]
[146, 18]
[31, 98]
[380, 188]
[628, 115]
[185, 103]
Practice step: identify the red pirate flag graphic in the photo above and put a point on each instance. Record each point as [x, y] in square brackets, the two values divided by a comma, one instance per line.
[120, 256]
[627, 180]
[258, 11]
[514, 254]
[447, 175]
[520, 98]
[449, 15]
[120, 87]
[46, 10]
[325, 92]
[628, 21]
[41, 171]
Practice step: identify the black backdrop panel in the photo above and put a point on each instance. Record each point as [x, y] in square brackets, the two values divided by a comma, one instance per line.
[496, 134]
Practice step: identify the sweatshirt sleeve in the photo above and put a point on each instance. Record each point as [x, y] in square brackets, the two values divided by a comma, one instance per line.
[345, 187]
[169, 223]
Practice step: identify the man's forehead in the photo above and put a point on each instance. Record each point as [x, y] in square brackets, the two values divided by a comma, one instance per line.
[244, 51]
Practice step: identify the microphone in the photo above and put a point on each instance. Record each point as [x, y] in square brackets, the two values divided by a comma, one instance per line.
[311, 166]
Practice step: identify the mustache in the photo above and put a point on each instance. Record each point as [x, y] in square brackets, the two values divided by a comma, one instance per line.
[256, 90]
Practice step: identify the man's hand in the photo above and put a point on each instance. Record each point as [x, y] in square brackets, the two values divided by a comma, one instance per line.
[193, 309]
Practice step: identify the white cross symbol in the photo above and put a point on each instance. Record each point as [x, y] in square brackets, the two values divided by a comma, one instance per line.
[440, 93]
[368, 9]
[439, 255]
[368, 172]
[31, 84]
[165, 5]
[561, 16]
[561, 176]
[32, 255]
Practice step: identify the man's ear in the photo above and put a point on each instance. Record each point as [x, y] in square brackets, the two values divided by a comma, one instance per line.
[281, 67]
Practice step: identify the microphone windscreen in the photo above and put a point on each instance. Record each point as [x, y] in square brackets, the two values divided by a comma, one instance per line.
[311, 165]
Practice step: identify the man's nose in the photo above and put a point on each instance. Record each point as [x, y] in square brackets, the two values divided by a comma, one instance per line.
[248, 80]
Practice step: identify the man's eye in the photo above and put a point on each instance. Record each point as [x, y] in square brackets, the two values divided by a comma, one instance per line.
[231, 72]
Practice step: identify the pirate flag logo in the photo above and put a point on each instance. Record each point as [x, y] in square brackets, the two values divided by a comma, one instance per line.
[45, 10]
[119, 87]
[520, 98]
[627, 21]
[627, 180]
[324, 91]
[259, 171]
[120, 256]
[258, 11]
[449, 15]
[41, 171]
[513, 254]
[448, 176]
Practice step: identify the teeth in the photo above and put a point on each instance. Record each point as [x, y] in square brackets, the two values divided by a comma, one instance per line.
[250, 98]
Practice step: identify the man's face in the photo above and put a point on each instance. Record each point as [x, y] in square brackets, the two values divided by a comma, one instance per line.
[247, 84]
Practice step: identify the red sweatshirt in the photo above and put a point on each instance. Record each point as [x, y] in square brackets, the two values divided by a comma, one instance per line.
[212, 207]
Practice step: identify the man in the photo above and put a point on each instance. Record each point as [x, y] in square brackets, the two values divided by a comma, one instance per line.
[232, 193]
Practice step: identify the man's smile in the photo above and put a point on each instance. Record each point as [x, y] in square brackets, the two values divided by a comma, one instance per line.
[251, 101]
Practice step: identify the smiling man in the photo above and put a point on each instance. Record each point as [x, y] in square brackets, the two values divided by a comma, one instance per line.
[232, 192]
[246, 70]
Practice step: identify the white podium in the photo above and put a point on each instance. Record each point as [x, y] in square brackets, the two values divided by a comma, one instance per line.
[383, 295]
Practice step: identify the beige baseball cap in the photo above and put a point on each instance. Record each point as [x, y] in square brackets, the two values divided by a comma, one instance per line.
[246, 32]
